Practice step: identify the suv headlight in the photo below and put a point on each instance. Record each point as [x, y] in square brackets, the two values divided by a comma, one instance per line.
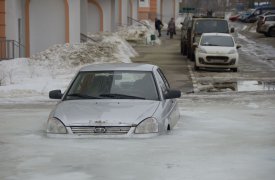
[149, 125]
[202, 50]
[232, 51]
[55, 126]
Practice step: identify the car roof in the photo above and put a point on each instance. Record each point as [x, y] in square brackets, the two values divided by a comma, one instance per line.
[119, 67]
[216, 34]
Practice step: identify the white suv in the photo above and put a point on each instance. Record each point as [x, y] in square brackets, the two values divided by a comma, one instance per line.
[216, 50]
[266, 25]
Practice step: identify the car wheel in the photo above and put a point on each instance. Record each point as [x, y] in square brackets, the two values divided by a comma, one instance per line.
[188, 54]
[196, 68]
[184, 49]
[271, 32]
[192, 57]
[266, 34]
[234, 69]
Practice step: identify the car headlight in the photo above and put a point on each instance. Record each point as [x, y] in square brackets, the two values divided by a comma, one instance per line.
[232, 51]
[55, 126]
[149, 125]
[202, 50]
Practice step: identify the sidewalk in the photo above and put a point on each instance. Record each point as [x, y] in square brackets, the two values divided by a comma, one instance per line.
[167, 56]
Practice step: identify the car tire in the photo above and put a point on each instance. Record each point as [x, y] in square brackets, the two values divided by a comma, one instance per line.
[192, 58]
[196, 68]
[185, 49]
[271, 32]
[234, 69]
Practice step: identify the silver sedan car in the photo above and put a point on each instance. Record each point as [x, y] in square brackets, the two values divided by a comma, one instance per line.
[115, 100]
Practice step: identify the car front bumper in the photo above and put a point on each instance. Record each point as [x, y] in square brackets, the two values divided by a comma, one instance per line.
[217, 60]
[73, 134]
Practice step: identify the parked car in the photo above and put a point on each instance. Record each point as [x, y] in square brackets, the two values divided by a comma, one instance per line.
[234, 17]
[266, 25]
[216, 50]
[115, 100]
[253, 17]
[244, 16]
[195, 27]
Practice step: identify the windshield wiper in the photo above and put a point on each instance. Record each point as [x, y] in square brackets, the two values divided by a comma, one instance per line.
[83, 96]
[120, 96]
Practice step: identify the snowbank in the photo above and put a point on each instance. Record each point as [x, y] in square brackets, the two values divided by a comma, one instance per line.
[32, 78]
[139, 32]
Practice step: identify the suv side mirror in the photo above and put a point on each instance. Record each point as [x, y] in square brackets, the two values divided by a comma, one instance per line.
[172, 94]
[238, 46]
[55, 94]
[232, 30]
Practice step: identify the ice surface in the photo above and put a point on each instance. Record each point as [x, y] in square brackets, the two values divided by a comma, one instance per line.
[210, 142]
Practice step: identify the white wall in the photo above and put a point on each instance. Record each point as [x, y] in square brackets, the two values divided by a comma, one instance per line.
[74, 14]
[159, 9]
[83, 16]
[93, 19]
[13, 13]
[168, 10]
[135, 9]
[106, 6]
[47, 24]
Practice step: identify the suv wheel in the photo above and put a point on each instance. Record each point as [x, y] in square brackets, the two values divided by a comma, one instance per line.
[196, 68]
[271, 32]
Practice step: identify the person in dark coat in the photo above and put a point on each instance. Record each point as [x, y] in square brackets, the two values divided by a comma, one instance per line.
[171, 28]
[158, 25]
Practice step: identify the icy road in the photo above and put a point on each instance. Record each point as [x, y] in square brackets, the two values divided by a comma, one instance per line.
[219, 137]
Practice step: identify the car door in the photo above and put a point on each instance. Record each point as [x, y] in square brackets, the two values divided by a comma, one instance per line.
[170, 112]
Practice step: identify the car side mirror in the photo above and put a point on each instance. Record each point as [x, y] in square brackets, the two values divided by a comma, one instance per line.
[232, 30]
[172, 94]
[195, 45]
[55, 94]
[238, 46]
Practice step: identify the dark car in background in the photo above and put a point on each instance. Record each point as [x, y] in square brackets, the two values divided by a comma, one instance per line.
[194, 27]
[253, 17]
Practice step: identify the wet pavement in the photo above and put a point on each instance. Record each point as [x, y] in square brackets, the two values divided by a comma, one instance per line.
[167, 56]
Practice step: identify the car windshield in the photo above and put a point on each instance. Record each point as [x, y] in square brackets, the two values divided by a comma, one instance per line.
[208, 26]
[113, 85]
[226, 41]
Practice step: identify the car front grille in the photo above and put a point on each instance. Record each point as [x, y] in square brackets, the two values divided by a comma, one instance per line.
[217, 58]
[107, 130]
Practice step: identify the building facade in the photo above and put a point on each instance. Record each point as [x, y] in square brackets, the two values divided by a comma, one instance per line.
[34, 25]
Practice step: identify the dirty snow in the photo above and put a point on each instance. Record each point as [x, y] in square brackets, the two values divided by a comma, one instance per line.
[30, 79]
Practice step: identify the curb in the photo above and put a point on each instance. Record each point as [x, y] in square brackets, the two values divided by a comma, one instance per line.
[194, 81]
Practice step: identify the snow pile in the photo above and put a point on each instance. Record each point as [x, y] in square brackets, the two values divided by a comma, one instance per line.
[32, 78]
[139, 32]
[179, 20]
[105, 48]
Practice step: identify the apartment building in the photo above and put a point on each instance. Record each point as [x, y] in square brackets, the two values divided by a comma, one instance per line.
[31, 26]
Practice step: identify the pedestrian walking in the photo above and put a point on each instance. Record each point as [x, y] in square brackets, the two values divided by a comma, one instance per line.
[171, 28]
[158, 25]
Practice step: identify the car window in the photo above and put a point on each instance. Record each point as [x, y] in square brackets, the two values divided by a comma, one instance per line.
[164, 78]
[226, 41]
[161, 82]
[127, 83]
[270, 18]
[207, 26]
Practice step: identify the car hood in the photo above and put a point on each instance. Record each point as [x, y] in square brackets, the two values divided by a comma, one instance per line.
[104, 112]
[217, 49]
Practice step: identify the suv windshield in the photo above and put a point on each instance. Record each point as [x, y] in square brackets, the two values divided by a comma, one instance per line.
[113, 85]
[208, 26]
[214, 40]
